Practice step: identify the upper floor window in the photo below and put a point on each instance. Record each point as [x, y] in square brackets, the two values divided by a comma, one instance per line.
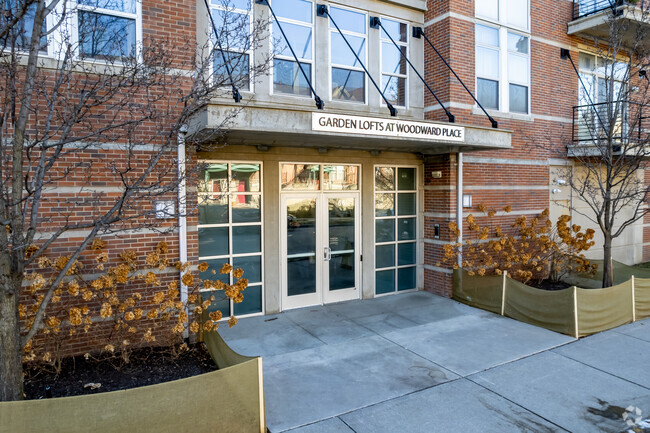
[512, 13]
[394, 68]
[107, 28]
[297, 20]
[20, 35]
[604, 80]
[348, 78]
[502, 69]
[232, 19]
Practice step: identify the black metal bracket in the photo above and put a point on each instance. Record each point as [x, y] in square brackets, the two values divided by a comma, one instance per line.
[564, 53]
[643, 74]
[375, 22]
[417, 32]
[321, 11]
[319, 102]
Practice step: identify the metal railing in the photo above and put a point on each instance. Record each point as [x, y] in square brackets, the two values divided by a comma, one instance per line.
[619, 121]
[582, 8]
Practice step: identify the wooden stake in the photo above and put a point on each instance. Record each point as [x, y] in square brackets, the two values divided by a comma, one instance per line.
[575, 311]
[503, 293]
[633, 302]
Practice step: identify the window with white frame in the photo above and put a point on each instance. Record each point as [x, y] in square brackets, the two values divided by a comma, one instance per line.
[297, 20]
[20, 34]
[347, 76]
[602, 82]
[394, 68]
[503, 55]
[107, 28]
[395, 229]
[230, 230]
[233, 21]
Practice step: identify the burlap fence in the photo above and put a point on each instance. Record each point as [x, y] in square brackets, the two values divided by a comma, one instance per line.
[573, 311]
[229, 400]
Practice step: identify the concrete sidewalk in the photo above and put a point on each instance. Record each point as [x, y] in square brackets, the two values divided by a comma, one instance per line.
[417, 362]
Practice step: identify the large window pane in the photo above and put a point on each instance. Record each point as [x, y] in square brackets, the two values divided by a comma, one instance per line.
[384, 205]
[406, 203]
[406, 278]
[341, 53]
[385, 178]
[252, 267]
[348, 85]
[213, 241]
[213, 273]
[219, 303]
[487, 35]
[213, 210]
[214, 178]
[301, 275]
[487, 9]
[287, 77]
[252, 302]
[488, 93]
[239, 68]
[406, 253]
[21, 32]
[246, 208]
[392, 62]
[385, 230]
[518, 68]
[245, 178]
[397, 31]
[341, 271]
[348, 20]
[232, 28]
[105, 36]
[385, 281]
[298, 10]
[517, 13]
[406, 179]
[487, 62]
[385, 256]
[394, 89]
[406, 229]
[340, 177]
[518, 98]
[517, 43]
[300, 38]
[246, 239]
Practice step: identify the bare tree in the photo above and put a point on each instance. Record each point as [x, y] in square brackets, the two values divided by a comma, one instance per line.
[611, 132]
[61, 114]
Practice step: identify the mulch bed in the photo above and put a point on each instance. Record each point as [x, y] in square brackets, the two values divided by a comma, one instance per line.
[147, 366]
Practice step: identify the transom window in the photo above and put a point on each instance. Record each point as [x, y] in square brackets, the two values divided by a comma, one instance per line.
[317, 177]
[233, 21]
[395, 229]
[511, 13]
[393, 65]
[107, 28]
[230, 229]
[297, 20]
[348, 77]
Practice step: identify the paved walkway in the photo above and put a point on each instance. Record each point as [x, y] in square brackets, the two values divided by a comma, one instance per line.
[417, 362]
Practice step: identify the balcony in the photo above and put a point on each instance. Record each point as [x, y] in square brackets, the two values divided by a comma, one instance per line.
[624, 124]
[595, 18]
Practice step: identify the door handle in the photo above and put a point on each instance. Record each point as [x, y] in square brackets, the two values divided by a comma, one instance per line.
[327, 254]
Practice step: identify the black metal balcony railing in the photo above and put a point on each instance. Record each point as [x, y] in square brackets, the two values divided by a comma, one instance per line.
[583, 8]
[626, 122]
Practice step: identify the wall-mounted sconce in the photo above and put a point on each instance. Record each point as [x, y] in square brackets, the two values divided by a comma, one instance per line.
[556, 191]
[560, 181]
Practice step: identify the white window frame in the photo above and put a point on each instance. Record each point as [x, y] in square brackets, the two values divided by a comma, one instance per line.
[74, 6]
[503, 78]
[249, 51]
[396, 218]
[230, 256]
[366, 36]
[383, 38]
[290, 57]
[503, 18]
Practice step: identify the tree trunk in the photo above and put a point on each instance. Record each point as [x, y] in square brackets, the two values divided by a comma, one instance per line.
[11, 368]
[608, 271]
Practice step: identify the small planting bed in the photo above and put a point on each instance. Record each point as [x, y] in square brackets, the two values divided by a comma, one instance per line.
[87, 375]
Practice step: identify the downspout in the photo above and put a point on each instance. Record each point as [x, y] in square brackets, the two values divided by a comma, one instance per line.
[182, 219]
[459, 207]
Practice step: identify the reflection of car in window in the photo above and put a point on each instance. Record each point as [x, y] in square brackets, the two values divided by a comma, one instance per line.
[292, 222]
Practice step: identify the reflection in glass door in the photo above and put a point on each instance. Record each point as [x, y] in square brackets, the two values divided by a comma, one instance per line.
[320, 235]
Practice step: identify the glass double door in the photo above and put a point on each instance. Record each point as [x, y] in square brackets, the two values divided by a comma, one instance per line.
[320, 248]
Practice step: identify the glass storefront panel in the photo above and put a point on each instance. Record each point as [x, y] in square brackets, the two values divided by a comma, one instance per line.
[300, 177]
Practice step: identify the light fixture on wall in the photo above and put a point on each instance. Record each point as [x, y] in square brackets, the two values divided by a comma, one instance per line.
[556, 191]
[560, 181]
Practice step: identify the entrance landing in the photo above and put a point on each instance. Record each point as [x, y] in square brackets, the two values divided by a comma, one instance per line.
[416, 362]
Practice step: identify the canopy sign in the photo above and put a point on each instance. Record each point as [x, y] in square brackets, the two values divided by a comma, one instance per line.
[386, 127]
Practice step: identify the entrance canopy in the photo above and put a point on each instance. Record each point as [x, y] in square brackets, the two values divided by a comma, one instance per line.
[330, 129]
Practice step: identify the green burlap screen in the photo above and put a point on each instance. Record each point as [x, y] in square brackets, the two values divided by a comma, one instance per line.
[548, 309]
[602, 309]
[642, 298]
[229, 400]
[477, 291]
